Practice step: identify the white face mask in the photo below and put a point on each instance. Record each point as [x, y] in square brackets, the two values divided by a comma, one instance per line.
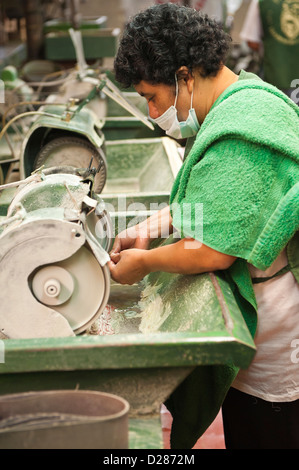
[178, 129]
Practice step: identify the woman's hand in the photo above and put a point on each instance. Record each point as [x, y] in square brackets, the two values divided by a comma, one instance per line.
[133, 237]
[128, 253]
[128, 267]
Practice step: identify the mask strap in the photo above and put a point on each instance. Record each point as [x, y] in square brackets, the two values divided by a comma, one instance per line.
[176, 89]
[192, 98]
[177, 92]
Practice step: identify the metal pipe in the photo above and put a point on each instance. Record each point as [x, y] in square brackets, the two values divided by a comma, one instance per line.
[34, 28]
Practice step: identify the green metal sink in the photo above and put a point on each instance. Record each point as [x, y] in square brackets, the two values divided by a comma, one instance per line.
[158, 333]
[141, 166]
[139, 178]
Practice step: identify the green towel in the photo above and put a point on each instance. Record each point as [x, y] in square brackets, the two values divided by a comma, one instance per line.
[248, 180]
[244, 169]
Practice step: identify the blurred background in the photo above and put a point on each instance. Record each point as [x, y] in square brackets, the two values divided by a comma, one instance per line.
[27, 23]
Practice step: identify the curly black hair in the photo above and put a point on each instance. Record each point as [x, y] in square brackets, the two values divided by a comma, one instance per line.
[161, 39]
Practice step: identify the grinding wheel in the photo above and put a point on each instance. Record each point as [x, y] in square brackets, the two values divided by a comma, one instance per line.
[73, 152]
[75, 287]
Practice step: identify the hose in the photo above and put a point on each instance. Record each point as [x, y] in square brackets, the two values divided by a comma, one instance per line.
[27, 103]
[28, 113]
[34, 177]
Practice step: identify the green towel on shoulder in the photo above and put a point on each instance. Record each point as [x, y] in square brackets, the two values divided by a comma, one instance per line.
[248, 180]
[244, 170]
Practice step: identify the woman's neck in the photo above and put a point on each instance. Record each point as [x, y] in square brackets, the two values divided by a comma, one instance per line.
[209, 89]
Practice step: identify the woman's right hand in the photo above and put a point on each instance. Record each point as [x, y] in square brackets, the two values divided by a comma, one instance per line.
[140, 235]
[132, 237]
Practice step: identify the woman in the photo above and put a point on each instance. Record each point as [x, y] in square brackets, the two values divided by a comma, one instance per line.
[242, 167]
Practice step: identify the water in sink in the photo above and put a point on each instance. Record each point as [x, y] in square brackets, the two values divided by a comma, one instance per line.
[122, 314]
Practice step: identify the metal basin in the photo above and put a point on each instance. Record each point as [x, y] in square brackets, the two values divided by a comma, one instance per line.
[63, 420]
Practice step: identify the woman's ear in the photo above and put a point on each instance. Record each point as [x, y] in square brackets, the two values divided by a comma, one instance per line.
[183, 73]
